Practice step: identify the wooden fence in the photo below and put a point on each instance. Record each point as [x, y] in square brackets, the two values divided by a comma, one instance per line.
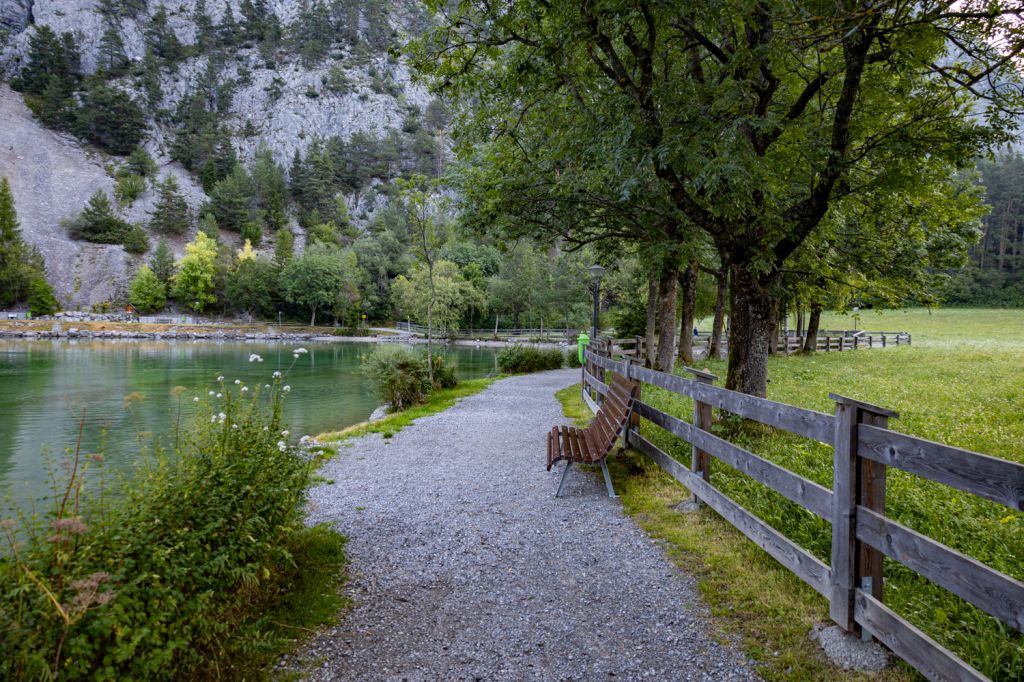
[827, 341]
[864, 448]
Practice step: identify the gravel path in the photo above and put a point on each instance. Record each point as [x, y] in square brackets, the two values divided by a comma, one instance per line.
[465, 566]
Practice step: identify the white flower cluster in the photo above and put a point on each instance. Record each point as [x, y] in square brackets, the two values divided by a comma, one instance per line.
[282, 446]
[277, 375]
[255, 358]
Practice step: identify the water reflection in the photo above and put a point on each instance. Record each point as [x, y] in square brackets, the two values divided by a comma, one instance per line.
[125, 388]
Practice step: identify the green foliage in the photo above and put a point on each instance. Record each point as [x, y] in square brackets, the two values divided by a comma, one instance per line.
[400, 376]
[171, 214]
[162, 263]
[452, 295]
[172, 577]
[146, 292]
[41, 299]
[324, 277]
[526, 359]
[128, 188]
[161, 38]
[232, 200]
[112, 58]
[109, 118]
[444, 374]
[135, 240]
[98, 223]
[140, 163]
[252, 232]
[284, 248]
[251, 286]
[50, 57]
[194, 285]
[20, 264]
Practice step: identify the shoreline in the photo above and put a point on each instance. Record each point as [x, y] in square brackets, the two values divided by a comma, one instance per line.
[45, 329]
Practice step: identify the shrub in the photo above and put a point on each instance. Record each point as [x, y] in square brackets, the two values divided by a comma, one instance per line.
[136, 241]
[400, 375]
[444, 374]
[525, 359]
[166, 580]
[128, 189]
[573, 358]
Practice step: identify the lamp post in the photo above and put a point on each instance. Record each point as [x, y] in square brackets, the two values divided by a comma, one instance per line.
[596, 272]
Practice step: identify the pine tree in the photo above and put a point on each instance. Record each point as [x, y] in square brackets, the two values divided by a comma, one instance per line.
[171, 214]
[208, 226]
[232, 200]
[162, 262]
[41, 299]
[206, 34]
[109, 118]
[149, 79]
[271, 188]
[55, 108]
[51, 56]
[98, 223]
[161, 38]
[20, 264]
[112, 57]
[284, 247]
[228, 32]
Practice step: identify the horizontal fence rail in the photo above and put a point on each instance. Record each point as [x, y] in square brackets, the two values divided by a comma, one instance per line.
[826, 342]
[862, 535]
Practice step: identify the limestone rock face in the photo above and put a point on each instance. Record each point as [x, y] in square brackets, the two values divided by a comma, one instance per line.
[15, 15]
[277, 100]
[52, 178]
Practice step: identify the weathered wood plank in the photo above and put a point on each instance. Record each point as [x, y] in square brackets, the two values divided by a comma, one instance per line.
[808, 423]
[844, 541]
[995, 479]
[806, 566]
[595, 383]
[590, 402]
[802, 491]
[996, 594]
[929, 657]
[605, 363]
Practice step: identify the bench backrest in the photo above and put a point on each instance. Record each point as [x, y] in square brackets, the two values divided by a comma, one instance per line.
[611, 419]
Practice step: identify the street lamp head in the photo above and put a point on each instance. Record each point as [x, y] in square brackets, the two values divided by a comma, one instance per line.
[596, 271]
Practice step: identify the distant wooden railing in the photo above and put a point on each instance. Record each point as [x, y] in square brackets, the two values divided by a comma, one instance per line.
[864, 448]
[827, 341]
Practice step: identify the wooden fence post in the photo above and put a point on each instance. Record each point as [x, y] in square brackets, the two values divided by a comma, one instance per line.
[883, 340]
[856, 481]
[700, 461]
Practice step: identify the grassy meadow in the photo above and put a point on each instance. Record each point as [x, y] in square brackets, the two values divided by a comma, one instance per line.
[961, 383]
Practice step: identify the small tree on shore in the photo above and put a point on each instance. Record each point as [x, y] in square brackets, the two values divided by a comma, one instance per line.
[193, 285]
[147, 293]
[41, 300]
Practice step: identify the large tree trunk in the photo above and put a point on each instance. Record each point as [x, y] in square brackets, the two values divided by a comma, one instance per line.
[652, 319]
[688, 297]
[800, 320]
[749, 326]
[722, 280]
[813, 320]
[667, 319]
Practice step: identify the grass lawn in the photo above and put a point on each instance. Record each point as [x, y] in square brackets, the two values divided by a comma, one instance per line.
[961, 383]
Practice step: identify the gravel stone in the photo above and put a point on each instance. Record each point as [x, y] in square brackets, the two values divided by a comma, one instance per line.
[849, 651]
[464, 565]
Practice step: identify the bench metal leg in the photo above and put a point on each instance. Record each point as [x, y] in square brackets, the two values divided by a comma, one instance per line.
[565, 472]
[607, 479]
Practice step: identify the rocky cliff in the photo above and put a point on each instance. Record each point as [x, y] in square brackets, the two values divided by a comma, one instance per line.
[277, 100]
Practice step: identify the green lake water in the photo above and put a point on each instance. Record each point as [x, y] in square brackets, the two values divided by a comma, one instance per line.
[47, 385]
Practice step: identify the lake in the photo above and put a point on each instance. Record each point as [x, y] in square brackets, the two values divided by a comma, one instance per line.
[125, 389]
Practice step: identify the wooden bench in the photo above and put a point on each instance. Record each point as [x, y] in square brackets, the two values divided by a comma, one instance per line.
[593, 444]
